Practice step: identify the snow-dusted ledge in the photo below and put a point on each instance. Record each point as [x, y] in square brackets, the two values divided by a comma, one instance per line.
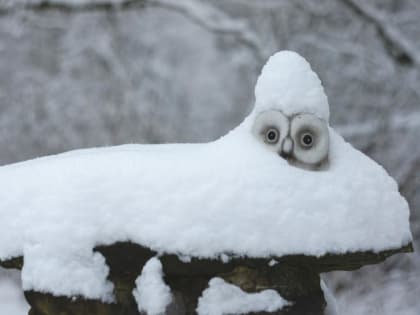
[182, 281]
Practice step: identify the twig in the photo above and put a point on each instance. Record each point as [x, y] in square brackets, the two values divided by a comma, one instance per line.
[398, 46]
[69, 6]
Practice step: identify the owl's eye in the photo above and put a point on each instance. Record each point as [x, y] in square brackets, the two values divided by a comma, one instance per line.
[311, 137]
[272, 135]
[270, 127]
[307, 140]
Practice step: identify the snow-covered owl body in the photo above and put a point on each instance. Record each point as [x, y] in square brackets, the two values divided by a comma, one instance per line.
[231, 196]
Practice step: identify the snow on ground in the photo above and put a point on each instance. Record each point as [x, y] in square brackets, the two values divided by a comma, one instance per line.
[152, 294]
[222, 298]
[209, 196]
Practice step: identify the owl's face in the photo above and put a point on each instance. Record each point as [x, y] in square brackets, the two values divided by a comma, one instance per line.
[302, 139]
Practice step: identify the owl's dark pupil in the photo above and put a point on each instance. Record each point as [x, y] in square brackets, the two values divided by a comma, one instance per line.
[272, 135]
[307, 139]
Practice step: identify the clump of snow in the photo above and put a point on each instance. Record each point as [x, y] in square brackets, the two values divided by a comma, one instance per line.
[12, 301]
[222, 298]
[332, 308]
[66, 272]
[197, 200]
[152, 294]
[288, 83]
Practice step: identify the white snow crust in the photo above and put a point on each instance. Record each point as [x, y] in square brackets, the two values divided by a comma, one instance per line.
[222, 298]
[229, 197]
[152, 294]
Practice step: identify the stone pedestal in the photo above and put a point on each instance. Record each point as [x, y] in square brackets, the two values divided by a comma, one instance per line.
[296, 278]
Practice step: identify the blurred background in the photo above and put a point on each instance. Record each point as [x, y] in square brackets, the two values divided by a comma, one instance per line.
[83, 73]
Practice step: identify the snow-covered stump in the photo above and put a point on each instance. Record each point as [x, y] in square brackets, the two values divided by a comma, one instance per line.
[295, 278]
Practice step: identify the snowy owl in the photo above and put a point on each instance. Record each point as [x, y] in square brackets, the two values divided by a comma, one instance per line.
[237, 196]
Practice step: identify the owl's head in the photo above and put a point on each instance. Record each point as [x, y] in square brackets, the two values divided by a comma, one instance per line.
[301, 139]
[291, 111]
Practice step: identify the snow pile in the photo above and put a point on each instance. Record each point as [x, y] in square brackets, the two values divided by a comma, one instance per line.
[201, 200]
[222, 298]
[288, 83]
[152, 294]
[65, 272]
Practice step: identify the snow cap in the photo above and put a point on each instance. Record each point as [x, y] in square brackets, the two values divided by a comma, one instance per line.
[288, 83]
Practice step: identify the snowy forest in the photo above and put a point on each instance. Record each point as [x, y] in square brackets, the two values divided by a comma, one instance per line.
[88, 73]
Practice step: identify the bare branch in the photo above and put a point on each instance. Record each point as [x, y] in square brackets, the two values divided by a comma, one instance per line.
[69, 6]
[216, 22]
[206, 16]
[398, 46]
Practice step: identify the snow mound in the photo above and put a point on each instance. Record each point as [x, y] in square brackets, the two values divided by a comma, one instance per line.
[288, 83]
[230, 197]
[152, 294]
[222, 298]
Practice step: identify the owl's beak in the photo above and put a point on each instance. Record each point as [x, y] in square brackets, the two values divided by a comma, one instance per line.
[286, 148]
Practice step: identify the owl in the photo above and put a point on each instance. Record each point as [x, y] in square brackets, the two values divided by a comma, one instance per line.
[301, 139]
[291, 113]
